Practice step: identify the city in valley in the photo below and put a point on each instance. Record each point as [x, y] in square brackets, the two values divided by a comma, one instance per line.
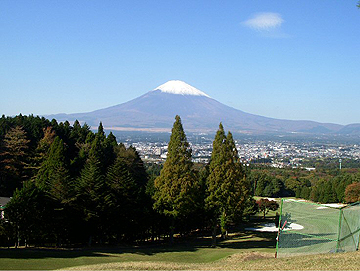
[277, 151]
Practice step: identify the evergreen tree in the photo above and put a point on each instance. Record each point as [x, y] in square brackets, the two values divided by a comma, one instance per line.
[305, 192]
[45, 143]
[26, 212]
[53, 173]
[259, 183]
[134, 163]
[111, 140]
[54, 180]
[14, 159]
[82, 138]
[315, 194]
[109, 145]
[136, 168]
[4, 187]
[341, 183]
[266, 185]
[175, 188]
[103, 149]
[123, 205]
[100, 133]
[227, 188]
[91, 193]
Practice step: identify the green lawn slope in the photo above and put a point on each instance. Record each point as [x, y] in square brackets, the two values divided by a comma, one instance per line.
[245, 251]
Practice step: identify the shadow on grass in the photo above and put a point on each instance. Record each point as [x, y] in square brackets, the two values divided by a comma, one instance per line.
[243, 240]
[250, 240]
[294, 240]
[41, 253]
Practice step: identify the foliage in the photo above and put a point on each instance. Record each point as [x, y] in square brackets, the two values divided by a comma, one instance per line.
[266, 205]
[227, 187]
[322, 186]
[14, 159]
[78, 186]
[90, 193]
[332, 190]
[27, 212]
[328, 163]
[73, 186]
[352, 192]
[176, 187]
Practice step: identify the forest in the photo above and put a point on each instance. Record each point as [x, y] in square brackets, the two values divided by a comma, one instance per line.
[71, 186]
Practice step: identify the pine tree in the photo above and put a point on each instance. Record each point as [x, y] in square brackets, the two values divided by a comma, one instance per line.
[53, 175]
[122, 200]
[26, 211]
[134, 163]
[90, 191]
[100, 133]
[102, 148]
[14, 159]
[175, 188]
[227, 188]
[53, 179]
[46, 141]
[109, 145]
[111, 140]
[42, 149]
[82, 138]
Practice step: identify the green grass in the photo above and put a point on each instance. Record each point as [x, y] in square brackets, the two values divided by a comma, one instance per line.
[190, 252]
[202, 259]
[245, 251]
[320, 232]
[241, 251]
[246, 261]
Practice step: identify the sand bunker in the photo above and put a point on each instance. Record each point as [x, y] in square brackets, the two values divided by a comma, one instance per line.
[297, 200]
[270, 227]
[333, 205]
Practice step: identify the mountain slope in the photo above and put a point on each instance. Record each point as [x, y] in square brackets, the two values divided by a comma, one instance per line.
[156, 110]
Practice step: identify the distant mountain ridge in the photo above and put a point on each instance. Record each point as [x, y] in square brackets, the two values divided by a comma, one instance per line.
[156, 109]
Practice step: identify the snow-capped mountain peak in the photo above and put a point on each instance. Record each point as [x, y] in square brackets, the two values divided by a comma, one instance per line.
[180, 87]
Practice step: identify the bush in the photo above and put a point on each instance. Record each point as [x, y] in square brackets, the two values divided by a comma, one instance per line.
[352, 192]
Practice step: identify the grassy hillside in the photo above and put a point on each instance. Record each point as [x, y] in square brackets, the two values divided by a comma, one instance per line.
[244, 261]
[244, 251]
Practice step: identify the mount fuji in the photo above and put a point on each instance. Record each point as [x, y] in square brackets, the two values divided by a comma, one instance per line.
[156, 109]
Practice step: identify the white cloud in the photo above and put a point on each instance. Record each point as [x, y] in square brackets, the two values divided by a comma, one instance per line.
[264, 21]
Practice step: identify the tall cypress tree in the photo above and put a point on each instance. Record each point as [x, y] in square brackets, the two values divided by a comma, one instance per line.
[227, 189]
[175, 188]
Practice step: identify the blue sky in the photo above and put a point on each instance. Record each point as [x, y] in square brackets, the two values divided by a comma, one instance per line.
[282, 58]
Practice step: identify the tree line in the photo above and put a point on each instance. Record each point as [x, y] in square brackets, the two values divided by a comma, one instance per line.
[72, 186]
[323, 186]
